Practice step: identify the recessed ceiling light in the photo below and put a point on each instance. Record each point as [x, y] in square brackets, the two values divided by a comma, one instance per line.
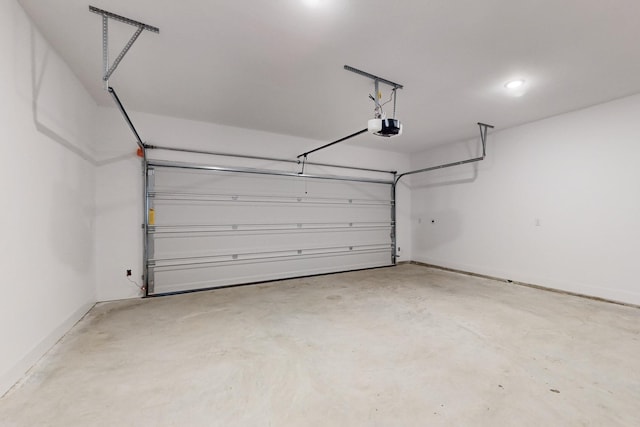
[514, 84]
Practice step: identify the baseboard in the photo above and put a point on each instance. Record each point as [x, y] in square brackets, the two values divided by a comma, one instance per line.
[529, 285]
[12, 377]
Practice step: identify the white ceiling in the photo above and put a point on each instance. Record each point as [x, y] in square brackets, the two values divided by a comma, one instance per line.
[278, 65]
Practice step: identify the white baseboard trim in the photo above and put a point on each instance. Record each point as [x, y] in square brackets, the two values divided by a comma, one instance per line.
[529, 285]
[13, 376]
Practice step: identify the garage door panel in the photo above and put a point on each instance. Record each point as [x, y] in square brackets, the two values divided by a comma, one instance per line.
[171, 213]
[225, 182]
[233, 273]
[233, 183]
[214, 228]
[194, 244]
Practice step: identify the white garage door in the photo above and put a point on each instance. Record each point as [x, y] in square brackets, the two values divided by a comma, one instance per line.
[217, 227]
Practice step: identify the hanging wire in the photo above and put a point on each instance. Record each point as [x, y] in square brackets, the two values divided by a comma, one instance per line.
[136, 284]
[379, 111]
[391, 97]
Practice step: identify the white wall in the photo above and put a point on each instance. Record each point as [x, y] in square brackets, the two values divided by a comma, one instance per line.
[575, 174]
[47, 186]
[119, 180]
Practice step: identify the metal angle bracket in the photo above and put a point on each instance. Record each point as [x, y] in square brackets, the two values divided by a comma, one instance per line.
[108, 70]
[484, 128]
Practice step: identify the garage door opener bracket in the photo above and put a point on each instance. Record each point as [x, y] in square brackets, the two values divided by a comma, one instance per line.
[378, 110]
[109, 69]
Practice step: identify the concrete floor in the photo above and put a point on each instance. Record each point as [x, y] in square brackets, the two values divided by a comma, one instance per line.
[403, 346]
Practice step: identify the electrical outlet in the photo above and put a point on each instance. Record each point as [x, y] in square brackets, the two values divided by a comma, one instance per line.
[128, 273]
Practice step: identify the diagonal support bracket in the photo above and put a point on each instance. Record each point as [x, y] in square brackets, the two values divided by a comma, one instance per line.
[484, 128]
[109, 69]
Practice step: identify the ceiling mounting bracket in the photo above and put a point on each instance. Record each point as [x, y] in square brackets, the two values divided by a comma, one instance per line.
[373, 77]
[108, 70]
[376, 81]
